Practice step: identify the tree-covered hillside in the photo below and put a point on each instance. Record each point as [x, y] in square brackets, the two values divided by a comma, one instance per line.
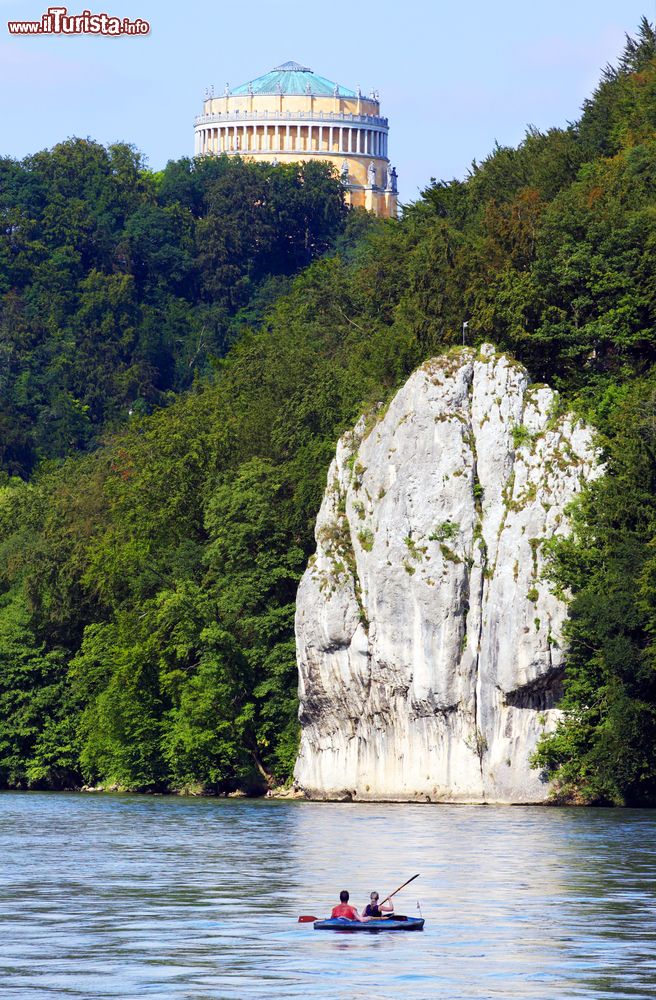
[120, 286]
[148, 581]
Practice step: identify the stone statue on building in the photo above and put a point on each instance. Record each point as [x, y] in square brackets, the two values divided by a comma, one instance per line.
[336, 90]
[371, 174]
[226, 92]
[392, 178]
[344, 173]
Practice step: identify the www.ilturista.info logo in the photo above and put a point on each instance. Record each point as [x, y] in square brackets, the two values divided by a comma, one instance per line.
[57, 21]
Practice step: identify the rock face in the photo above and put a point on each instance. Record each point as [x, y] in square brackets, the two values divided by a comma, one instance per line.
[429, 646]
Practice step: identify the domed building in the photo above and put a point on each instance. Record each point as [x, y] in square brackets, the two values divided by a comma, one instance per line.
[292, 114]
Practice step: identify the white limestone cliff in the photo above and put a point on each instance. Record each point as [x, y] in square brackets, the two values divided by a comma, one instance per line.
[429, 645]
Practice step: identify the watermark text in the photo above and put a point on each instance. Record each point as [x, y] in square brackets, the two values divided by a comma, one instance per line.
[57, 21]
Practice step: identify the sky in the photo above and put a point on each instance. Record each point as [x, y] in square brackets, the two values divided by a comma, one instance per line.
[453, 77]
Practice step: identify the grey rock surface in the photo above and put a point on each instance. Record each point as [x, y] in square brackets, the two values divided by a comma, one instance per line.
[429, 645]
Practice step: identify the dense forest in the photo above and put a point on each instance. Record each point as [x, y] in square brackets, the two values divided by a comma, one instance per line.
[179, 353]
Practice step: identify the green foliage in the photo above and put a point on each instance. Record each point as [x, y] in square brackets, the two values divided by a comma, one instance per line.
[604, 750]
[521, 436]
[366, 539]
[118, 287]
[37, 746]
[444, 532]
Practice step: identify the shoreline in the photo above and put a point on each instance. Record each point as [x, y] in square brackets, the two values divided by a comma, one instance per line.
[295, 794]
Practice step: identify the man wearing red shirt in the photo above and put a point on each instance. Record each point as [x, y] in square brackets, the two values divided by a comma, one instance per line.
[344, 910]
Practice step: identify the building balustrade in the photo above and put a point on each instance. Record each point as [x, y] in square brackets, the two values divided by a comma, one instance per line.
[289, 116]
[330, 139]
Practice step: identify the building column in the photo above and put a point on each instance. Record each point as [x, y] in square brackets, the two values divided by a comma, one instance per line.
[331, 138]
[286, 136]
[276, 140]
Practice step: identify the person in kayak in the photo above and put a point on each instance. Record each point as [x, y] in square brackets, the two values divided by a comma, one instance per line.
[344, 909]
[376, 909]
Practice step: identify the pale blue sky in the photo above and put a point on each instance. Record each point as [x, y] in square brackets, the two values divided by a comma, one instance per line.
[453, 77]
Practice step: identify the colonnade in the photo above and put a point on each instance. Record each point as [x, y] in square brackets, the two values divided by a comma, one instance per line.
[233, 137]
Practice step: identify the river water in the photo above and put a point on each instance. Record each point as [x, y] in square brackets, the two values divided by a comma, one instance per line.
[135, 896]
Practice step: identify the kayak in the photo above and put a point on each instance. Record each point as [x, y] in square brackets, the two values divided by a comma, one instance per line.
[386, 924]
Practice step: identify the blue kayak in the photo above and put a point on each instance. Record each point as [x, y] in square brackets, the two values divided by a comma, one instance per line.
[386, 924]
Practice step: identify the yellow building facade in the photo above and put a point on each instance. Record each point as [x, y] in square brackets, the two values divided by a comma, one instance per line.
[292, 114]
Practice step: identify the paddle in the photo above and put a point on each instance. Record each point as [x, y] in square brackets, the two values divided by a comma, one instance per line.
[387, 898]
[306, 919]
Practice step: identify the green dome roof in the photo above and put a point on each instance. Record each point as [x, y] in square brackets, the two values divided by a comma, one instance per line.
[292, 78]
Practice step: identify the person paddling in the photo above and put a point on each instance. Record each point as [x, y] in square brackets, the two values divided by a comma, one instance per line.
[376, 909]
[344, 909]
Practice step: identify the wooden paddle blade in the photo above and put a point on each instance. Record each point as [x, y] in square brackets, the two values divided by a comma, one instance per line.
[307, 920]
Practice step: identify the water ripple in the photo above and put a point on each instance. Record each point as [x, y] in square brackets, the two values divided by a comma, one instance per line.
[127, 896]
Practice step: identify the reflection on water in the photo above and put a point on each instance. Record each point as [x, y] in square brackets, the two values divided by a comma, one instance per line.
[128, 896]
